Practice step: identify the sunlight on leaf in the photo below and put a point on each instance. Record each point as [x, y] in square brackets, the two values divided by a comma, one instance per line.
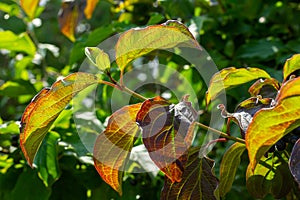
[18, 43]
[29, 6]
[231, 77]
[167, 134]
[272, 176]
[90, 7]
[291, 65]
[113, 146]
[198, 180]
[266, 88]
[45, 108]
[294, 162]
[138, 42]
[98, 57]
[230, 162]
[270, 124]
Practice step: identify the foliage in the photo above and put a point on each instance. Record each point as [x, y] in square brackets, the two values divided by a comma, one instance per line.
[38, 50]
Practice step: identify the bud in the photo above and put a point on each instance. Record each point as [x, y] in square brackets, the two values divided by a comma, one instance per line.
[98, 57]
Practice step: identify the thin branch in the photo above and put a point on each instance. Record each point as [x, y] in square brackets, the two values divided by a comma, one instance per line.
[222, 134]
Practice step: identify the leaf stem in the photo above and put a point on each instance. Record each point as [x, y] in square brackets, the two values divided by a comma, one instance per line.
[120, 87]
[222, 134]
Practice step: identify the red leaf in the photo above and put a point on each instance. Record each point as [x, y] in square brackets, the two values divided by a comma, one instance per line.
[114, 145]
[167, 133]
[198, 181]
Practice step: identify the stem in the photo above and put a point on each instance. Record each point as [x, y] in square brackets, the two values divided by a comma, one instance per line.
[224, 135]
[123, 88]
[129, 91]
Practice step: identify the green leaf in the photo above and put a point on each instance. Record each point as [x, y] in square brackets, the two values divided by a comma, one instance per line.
[45, 108]
[167, 133]
[259, 49]
[294, 162]
[18, 43]
[113, 146]
[272, 176]
[266, 88]
[231, 77]
[94, 38]
[228, 167]
[198, 180]
[46, 159]
[270, 124]
[17, 88]
[11, 9]
[30, 187]
[291, 65]
[138, 42]
[98, 57]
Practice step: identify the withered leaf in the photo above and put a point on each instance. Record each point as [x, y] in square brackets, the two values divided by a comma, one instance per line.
[167, 133]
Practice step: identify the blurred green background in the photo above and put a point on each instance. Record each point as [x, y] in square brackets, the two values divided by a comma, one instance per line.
[34, 53]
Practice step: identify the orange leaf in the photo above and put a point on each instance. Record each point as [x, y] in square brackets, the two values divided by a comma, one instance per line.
[270, 124]
[45, 108]
[68, 18]
[167, 133]
[29, 7]
[114, 145]
[89, 9]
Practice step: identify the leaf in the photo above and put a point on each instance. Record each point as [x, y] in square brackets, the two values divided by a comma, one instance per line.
[228, 167]
[46, 160]
[29, 186]
[167, 133]
[198, 180]
[266, 88]
[113, 146]
[17, 88]
[259, 49]
[69, 16]
[231, 77]
[272, 176]
[138, 42]
[294, 162]
[29, 6]
[271, 124]
[291, 65]
[45, 108]
[90, 7]
[11, 9]
[245, 111]
[18, 43]
[98, 57]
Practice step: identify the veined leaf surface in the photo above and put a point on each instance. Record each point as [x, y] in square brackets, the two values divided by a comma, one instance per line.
[167, 133]
[270, 124]
[45, 108]
[231, 77]
[114, 144]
